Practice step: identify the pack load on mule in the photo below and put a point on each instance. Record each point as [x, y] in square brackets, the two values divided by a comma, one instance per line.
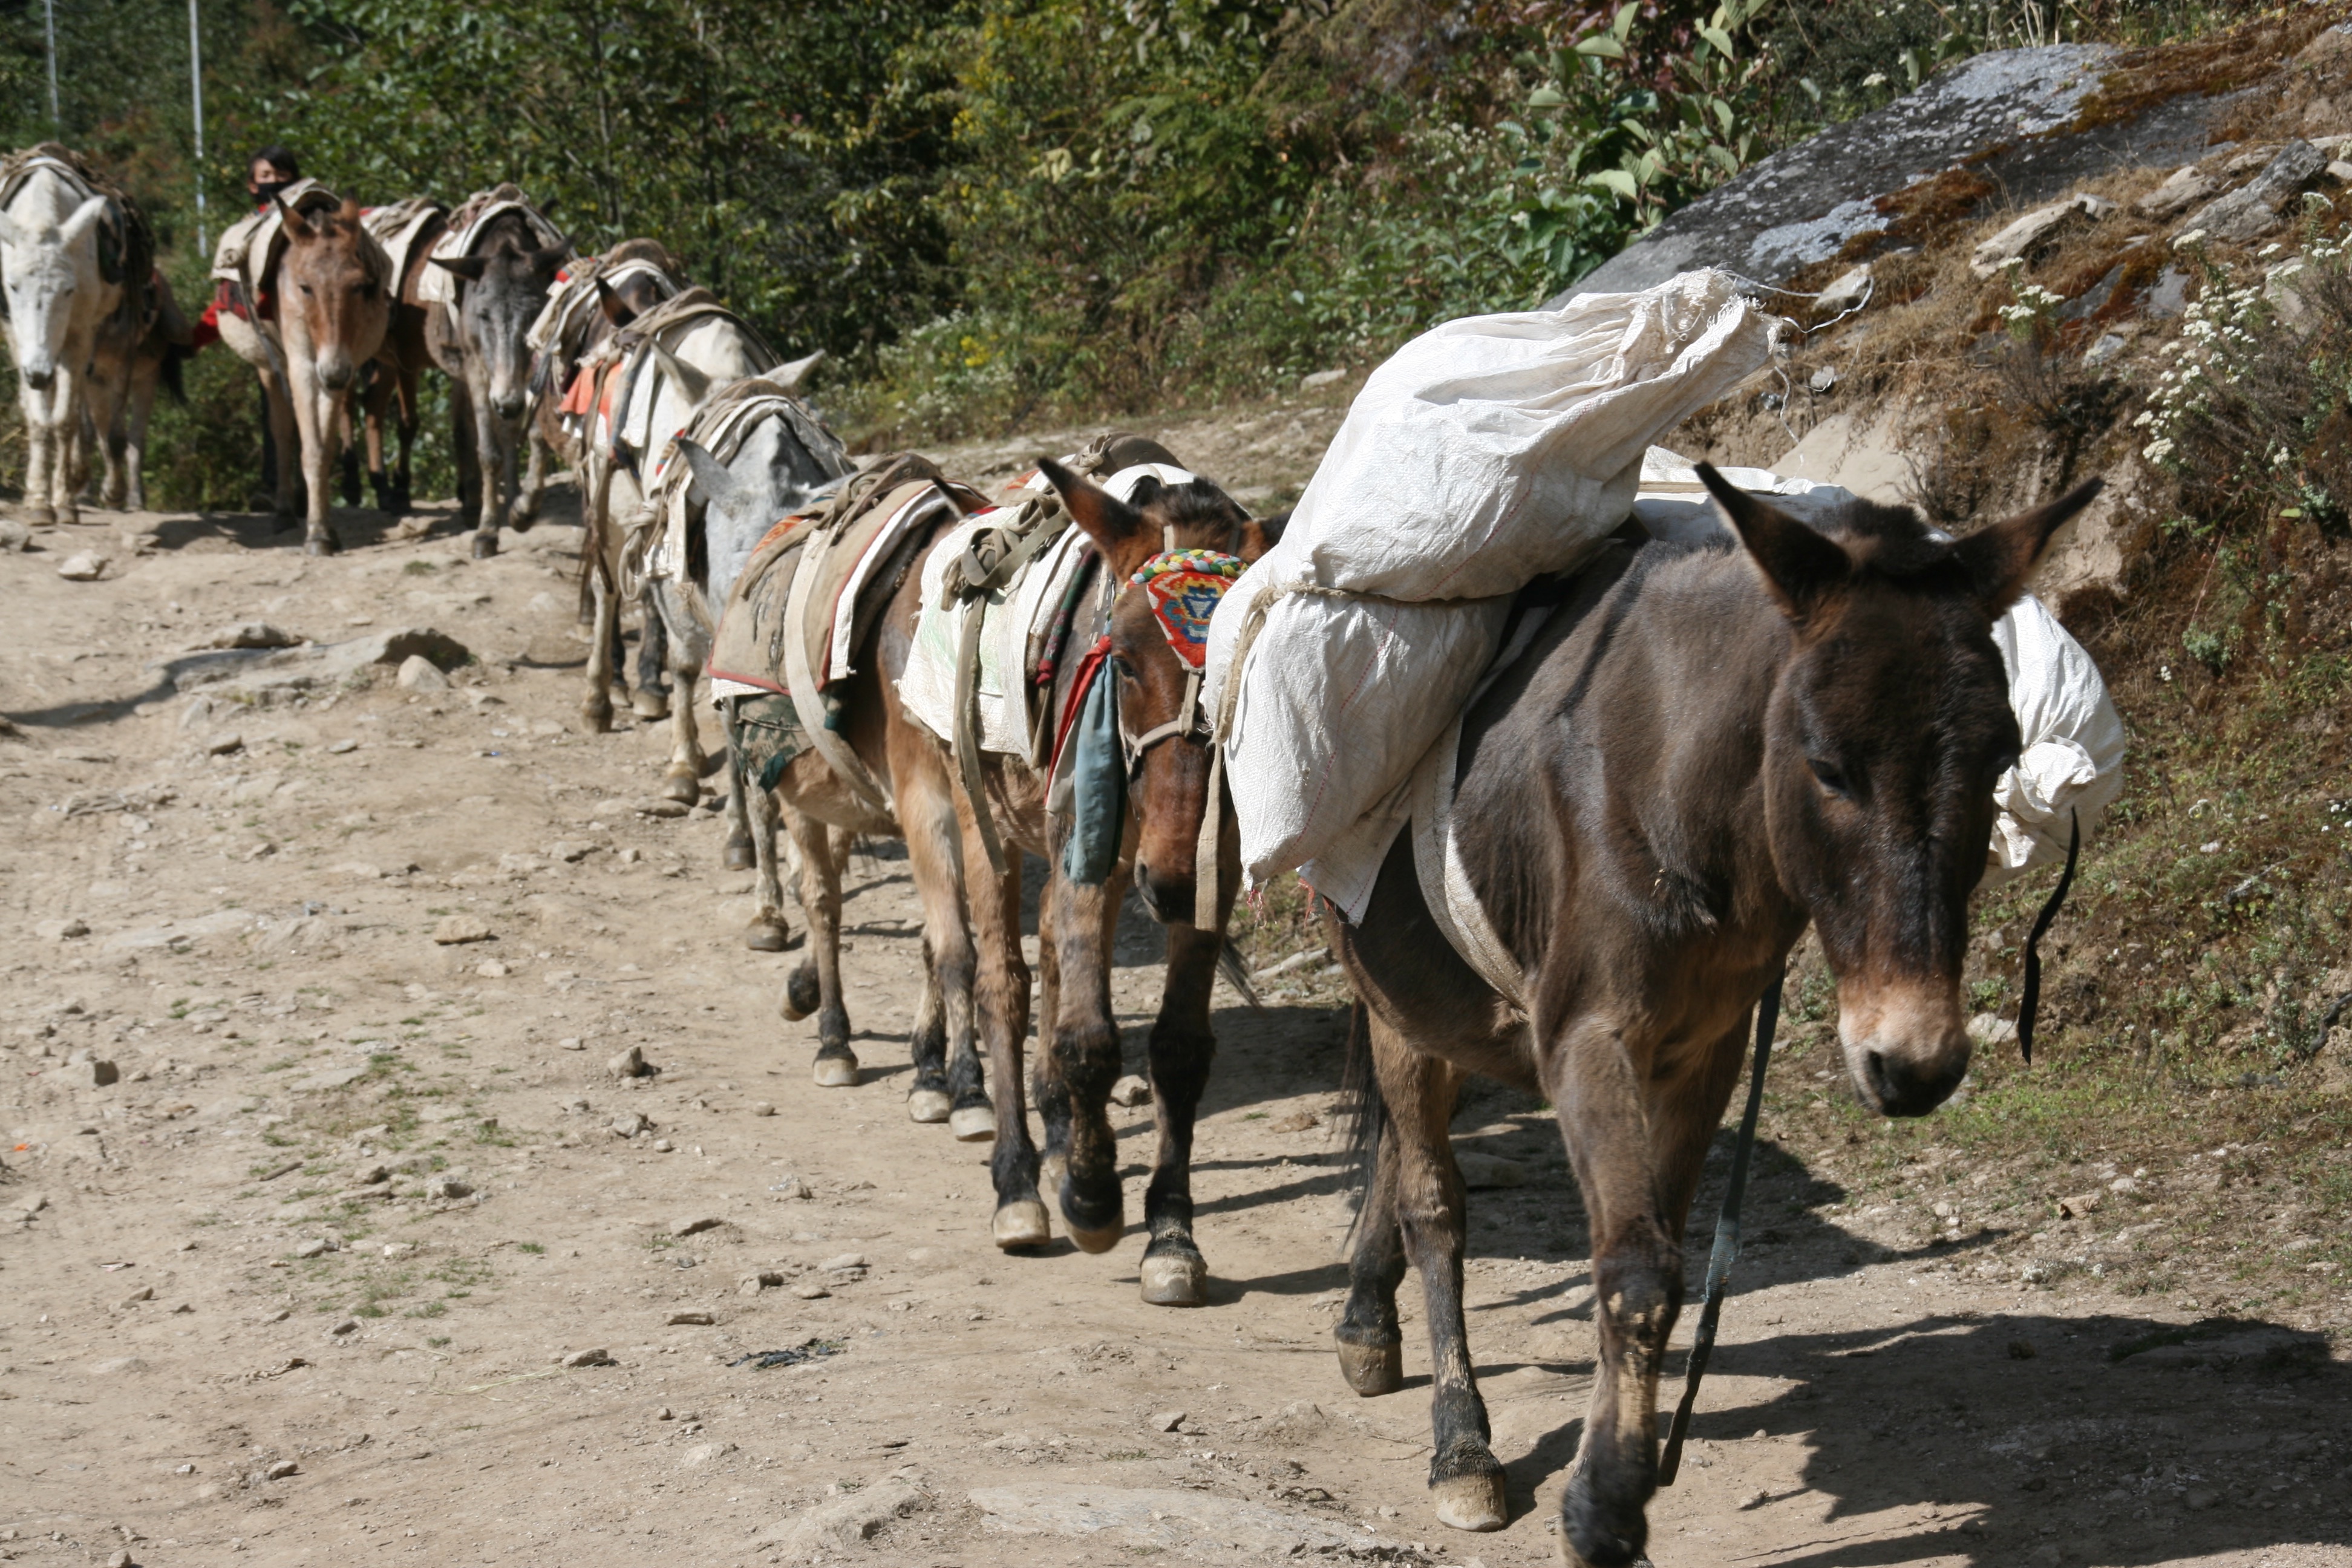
[440, 286]
[1485, 455]
[560, 337]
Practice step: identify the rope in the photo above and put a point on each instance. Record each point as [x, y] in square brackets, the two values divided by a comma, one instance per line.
[1727, 1235]
[2031, 1003]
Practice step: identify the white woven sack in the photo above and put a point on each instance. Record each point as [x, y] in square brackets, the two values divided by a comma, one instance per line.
[1484, 454]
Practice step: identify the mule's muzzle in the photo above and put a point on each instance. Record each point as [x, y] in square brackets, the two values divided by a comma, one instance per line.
[506, 404]
[1906, 1047]
[1167, 899]
[335, 373]
[1895, 1087]
[40, 378]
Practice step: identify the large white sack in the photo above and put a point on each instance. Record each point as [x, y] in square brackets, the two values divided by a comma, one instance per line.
[2071, 758]
[1484, 454]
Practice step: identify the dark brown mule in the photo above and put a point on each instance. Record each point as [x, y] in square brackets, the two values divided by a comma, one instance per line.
[1704, 750]
[982, 958]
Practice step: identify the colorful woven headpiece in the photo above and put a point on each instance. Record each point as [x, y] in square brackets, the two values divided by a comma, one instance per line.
[1184, 586]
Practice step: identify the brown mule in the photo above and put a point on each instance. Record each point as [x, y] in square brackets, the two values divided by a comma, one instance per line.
[333, 287]
[1704, 751]
[981, 956]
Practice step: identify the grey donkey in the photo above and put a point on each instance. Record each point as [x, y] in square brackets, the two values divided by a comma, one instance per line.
[483, 349]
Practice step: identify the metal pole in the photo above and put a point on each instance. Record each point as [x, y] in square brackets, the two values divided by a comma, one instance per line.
[49, 17]
[196, 86]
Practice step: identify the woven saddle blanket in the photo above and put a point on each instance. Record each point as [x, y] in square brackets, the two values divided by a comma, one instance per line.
[126, 246]
[656, 545]
[398, 226]
[438, 286]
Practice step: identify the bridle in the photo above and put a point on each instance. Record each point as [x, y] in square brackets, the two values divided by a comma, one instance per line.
[1185, 587]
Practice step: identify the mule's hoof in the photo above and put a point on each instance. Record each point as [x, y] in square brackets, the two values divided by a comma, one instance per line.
[41, 516]
[683, 788]
[485, 546]
[322, 544]
[739, 855]
[802, 994]
[1101, 1238]
[836, 1071]
[596, 716]
[928, 1106]
[1471, 1502]
[765, 936]
[1372, 1370]
[648, 704]
[1022, 1224]
[1175, 1282]
[973, 1123]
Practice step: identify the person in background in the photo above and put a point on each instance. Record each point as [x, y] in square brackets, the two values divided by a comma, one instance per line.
[267, 173]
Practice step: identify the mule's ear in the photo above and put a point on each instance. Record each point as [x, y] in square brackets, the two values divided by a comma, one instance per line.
[1109, 521]
[291, 219]
[85, 217]
[9, 233]
[617, 310]
[2000, 560]
[793, 376]
[1800, 567]
[694, 382]
[550, 258]
[713, 481]
[469, 268]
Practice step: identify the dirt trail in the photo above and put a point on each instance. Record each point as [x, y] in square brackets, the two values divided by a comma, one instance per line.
[204, 1285]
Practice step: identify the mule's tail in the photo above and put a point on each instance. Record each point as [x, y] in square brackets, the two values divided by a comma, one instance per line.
[1362, 1115]
[176, 380]
[1236, 970]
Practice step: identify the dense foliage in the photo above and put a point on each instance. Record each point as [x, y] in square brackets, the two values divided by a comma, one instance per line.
[990, 209]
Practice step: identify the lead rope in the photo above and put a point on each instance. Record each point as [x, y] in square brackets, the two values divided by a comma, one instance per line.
[2031, 1001]
[1727, 1235]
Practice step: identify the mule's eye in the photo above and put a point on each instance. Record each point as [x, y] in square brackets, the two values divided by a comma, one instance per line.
[1831, 779]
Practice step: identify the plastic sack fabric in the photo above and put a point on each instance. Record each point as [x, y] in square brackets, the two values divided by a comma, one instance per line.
[1485, 453]
[2069, 763]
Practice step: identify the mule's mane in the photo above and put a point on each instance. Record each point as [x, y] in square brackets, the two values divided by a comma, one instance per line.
[1197, 503]
[1891, 541]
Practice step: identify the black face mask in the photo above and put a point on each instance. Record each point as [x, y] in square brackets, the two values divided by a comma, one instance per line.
[269, 191]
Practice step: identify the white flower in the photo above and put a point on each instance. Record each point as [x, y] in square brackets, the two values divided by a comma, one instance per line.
[2194, 237]
[1875, 78]
[2157, 451]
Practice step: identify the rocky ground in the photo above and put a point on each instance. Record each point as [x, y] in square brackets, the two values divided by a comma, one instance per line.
[330, 1228]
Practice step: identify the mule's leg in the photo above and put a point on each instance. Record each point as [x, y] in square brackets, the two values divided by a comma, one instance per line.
[465, 446]
[682, 779]
[493, 466]
[373, 404]
[927, 1048]
[1183, 1047]
[40, 510]
[738, 855]
[525, 510]
[596, 708]
[1047, 1091]
[1370, 1340]
[286, 435]
[935, 856]
[820, 891]
[768, 931]
[1636, 1147]
[138, 409]
[108, 400]
[646, 698]
[1000, 1007]
[319, 456]
[409, 416]
[1083, 1052]
[1466, 1482]
[65, 456]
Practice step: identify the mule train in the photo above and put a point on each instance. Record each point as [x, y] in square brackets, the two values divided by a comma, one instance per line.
[1687, 752]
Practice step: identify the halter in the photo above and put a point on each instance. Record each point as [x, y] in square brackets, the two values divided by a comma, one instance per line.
[1183, 588]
